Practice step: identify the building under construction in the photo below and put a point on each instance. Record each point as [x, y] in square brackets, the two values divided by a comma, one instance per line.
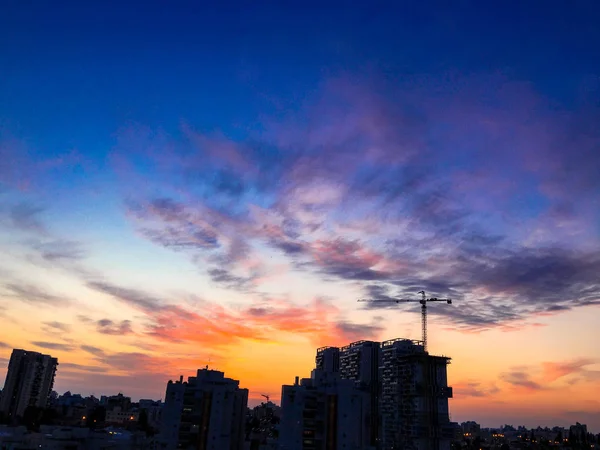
[414, 398]
[407, 392]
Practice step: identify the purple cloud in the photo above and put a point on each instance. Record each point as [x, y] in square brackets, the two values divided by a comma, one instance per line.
[398, 187]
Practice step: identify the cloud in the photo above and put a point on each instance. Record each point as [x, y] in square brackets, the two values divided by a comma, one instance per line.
[214, 324]
[4, 345]
[53, 345]
[348, 259]
[30, 293]
[25, 217]
[81, 368]
[181, 229]
[354, 331]
[107, 326]
[133, 297]
[60, 250]
[130, 362]
[395, 187]
[226, 278]
[521, 380]
[93, 350]
[553, 371]
[56, 327]
[474, 389]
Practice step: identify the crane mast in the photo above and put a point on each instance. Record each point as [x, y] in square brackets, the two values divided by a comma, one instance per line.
[423, 301]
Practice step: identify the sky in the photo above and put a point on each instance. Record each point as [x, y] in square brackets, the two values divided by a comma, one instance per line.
[184, 185]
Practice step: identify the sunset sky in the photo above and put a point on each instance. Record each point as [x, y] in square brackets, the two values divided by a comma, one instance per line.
[183, 185]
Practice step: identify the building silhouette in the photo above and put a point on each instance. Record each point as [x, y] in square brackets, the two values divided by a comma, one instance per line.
[29, 382]
[205, 413]
[414, 398]
[323, 412]
[359, 362]
[402, 391]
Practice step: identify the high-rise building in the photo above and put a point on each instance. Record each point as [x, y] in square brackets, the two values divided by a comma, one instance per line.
[414, 398]
[407, 391]
[205, 413]
[323, 412]
[29, 382]
[328, 359]
[359, 362]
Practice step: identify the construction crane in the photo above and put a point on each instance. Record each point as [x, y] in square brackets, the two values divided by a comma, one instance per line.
[423, 301]
[265, 396]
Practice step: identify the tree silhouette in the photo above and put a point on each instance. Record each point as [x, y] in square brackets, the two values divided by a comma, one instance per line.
[96, 417]
[143, 422]
[559, 437]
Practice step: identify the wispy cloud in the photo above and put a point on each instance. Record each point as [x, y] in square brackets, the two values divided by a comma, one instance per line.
[523, 380]
[56, 327]
[553, 371]
[31, 293]
[93, 350]
[53, 345]
[82, 368]
[474, 389]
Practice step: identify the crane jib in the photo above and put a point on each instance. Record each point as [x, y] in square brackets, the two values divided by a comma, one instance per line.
[423, 301]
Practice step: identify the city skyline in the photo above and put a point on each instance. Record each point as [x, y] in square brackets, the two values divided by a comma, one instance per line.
[324, 362]
[200, 185]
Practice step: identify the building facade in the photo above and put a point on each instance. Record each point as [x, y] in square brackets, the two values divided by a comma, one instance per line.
[359, 362]
[403, 394]
[414, 398]
[29, 382]
[205, 413]
[323, 412]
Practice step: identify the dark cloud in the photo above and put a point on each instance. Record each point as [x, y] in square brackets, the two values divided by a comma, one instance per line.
[521, 282]
[4, 345]
[93, 350]
[546, 275]
[25, 217]
[228, 279]
[60, 250]
[521, 379]
[107, 326]
[53, 345]
[258, 311]
[32, 294]
[171, 226]
[289, 247]
[355, 331]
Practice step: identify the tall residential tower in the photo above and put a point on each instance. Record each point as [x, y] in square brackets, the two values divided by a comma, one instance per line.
[29, 382]
[414, 397]
[205, 413]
